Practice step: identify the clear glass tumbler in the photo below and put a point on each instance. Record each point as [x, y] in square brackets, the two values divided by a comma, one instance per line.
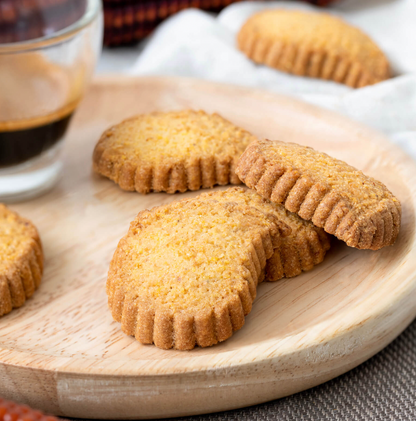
[48, 51]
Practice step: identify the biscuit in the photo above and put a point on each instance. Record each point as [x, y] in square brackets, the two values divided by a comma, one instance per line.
[333, 195]
[186, 273]
[313, 44]
[21, 260]
[173, 151]
[298, 251]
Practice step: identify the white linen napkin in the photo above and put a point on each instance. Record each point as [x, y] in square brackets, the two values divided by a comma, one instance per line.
[196, 44]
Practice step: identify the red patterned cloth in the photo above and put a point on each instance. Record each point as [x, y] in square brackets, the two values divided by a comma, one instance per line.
[128, 21]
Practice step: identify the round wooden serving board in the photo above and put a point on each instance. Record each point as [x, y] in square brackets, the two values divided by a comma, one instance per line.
[62, 351]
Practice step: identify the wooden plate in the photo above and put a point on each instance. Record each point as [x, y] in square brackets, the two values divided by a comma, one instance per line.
[62, 351]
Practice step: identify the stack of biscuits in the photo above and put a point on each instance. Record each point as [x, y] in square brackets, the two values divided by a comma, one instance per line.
[186, 273]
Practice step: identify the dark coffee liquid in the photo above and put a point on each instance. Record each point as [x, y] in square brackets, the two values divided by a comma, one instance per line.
[18, 146]
[37, 96]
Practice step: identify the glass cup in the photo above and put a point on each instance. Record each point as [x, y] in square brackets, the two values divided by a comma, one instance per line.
[48, 51]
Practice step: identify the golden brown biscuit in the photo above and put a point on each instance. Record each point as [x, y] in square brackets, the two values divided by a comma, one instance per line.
[186, 273]
[174, 151]
[313, 44]
[298, 251]
[21, 260]
[333, 195]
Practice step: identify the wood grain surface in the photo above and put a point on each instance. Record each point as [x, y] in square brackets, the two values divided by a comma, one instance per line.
[63, 353]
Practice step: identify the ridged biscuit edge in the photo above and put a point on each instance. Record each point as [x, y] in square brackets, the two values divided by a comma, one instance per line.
[316, 202]
[292, 254]
[171, 176]
[21, 277]
[290, 260]
[184, 330]
[303, 60]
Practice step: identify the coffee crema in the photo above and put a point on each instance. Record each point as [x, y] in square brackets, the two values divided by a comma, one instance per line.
[37, 100]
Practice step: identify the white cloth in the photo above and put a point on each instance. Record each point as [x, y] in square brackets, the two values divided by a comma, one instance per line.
[196, 44]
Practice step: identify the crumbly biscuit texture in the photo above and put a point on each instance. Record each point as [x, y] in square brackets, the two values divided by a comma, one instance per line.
[332, 194]
[313, 44]
[300, 250]
[170, 152]
[186, 273]
[21, 260]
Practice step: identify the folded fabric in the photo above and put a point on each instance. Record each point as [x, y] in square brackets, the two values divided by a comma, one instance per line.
[196, 44]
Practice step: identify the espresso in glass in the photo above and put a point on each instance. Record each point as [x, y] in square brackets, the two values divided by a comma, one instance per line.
[42, 80]
[28, 140]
